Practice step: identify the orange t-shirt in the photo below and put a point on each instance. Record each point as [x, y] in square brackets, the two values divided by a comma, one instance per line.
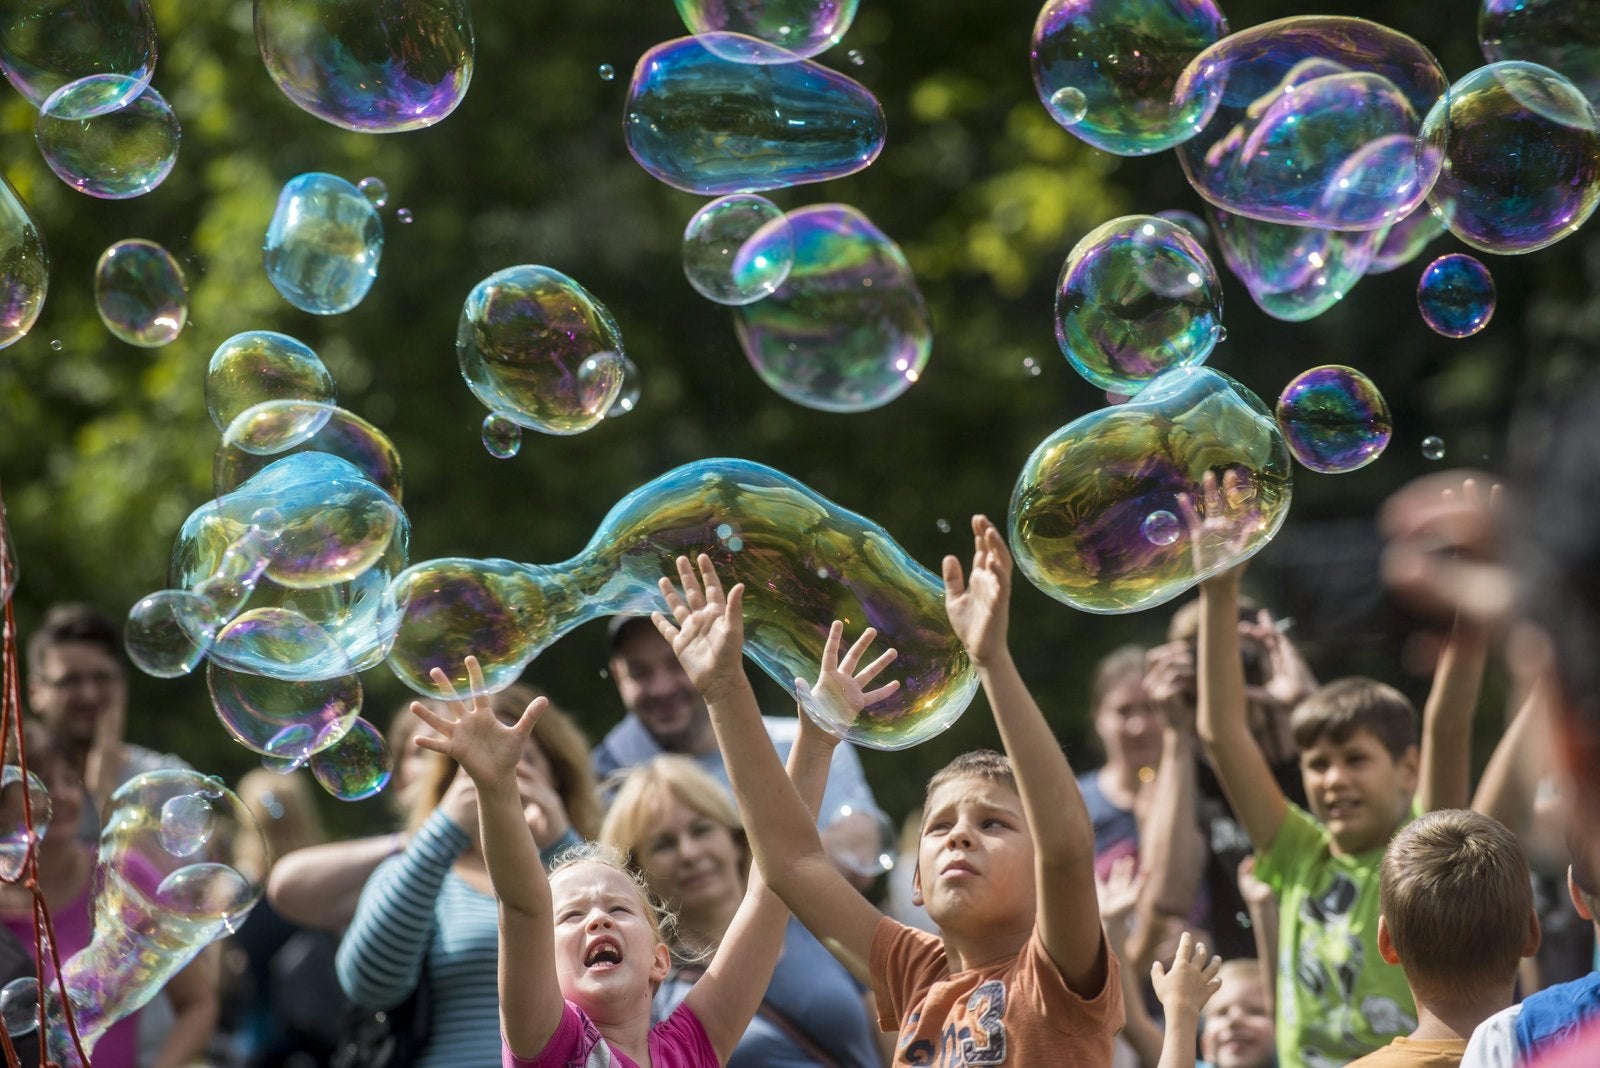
[1011, 1012]
[1405, 1052]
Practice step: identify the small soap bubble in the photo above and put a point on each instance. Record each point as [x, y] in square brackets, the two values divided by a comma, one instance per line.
[856, 58]
[404, 216]
[862, 842]
[607, 72]
[1222, 333]
[357, 767]
[187, 821]
[323, 244]
[1161, 527]
[1293, 273]
[1456, 295]
[1068, 105]
[280, 718]
[800, 28]
[375, 190]
[16, 836]
[628, 396]
[19, 1006]
[502, 438]
[24, 267]
[108, 136]
[262, 365]
[738, 249]
[168, 633]
[943, 526]
[56, 345]
[1433, 447]
[1190, 222]
[1334, 419]
[140, 293]
[267, 521]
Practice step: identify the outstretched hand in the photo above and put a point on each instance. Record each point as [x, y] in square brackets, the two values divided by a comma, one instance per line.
[1221, 525]
[841, 687]
[1191, 982]
[472, 735]
[978, 604]
[707, 626]
[1444, 551]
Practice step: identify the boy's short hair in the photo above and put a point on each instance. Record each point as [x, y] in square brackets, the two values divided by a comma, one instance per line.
[66, 624]
[1455, 895]
[977, 764]
[1341, 708]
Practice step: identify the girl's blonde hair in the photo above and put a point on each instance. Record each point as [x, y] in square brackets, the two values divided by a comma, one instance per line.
[287, 812]
[663, 921]
[644, 792]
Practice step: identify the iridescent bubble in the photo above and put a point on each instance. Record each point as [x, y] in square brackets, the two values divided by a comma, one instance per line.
[323, 244]
[862, 842]
[805, 562]
[1334, 419]
[1522, 146]
[803, 28]
[1456, 295]
[24, 267]
[357, 767]
[404, 217]
[263, 365]
[1137, 296]
[140, 293]
[1563, 35]
[539, 349]
[1311, 121]
[1081, 503]
[285, 718]
[1161, 527]
[375, 190]
[628, 396]
[1118, 61]
[738, 249]
[1189, 221]
[1405, 240]
[44, 44]
[19, 834]
[607, 72]
[19, 1006]
[1433, 447]
[8, 559]
[373, 66]
[267, 431]
[709, 125]
[1294, 272]
[56, 345]
[848, 330]
[106, 136]
[502, 438]
[168, 633]
[187, 821]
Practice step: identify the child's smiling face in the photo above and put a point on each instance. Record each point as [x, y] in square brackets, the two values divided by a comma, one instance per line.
[609, 955]
[1357, 789]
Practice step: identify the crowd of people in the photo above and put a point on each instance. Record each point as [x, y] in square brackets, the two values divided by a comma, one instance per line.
[1265, 869]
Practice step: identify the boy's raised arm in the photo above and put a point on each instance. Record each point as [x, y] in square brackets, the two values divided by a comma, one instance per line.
[1445, 770]
[1068, 913]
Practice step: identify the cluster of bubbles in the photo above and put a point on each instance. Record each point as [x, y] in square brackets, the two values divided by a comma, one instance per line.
[140, 293]
[108, 135]
[1334, 419]
[323, 244]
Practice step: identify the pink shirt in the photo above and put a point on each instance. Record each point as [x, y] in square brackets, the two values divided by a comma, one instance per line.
[676, 1042]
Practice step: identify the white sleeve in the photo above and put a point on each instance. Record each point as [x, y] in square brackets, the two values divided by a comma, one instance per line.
[1494, 1043]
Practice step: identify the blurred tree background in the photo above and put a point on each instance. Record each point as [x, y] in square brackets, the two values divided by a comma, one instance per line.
[104, 448]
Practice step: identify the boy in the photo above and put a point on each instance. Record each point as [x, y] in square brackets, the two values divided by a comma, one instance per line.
[1456, 913]
[1359, 758]
[1021, 974]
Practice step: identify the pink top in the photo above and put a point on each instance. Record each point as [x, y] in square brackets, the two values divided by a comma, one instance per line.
[676, 1042]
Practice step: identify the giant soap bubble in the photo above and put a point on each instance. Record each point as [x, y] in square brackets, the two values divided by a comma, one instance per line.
[108, 136]
[1563, 35]
[1294, 272]
[1194, 439]
[140, 293]
[1522, 152]
[1334, 419]
[800, 28]
[804, 560]
[1118, 61]
[539, 349]
[24, 267]
[708, 125]
[372, 66]
[323, 244]
[848, 330]
[1311, 121]
[44, 44]
[1137, 296]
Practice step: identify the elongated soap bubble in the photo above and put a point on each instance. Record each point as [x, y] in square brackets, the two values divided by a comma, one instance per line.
[1563, 35]
[1082, 504]
[1405, 240]
[357, 766]
[140, 293]
[44, 44]
[281, 718]
[1294, 273]
[18, 833]
[108, 136]
[1456, 295]
[539, 349]
[270, 430]
[1106, 69]
[801, 28]
[323, 244]
[1137, 296]
[24, 267]
[804, 560]
[1334, 419]
[263, 365]
[1522, 146]
[738, 249]
[1311, 121]
[848, 331]
[708, 125]
[372, 66]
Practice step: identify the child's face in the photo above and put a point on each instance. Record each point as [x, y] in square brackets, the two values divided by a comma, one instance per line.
[1237, 1031]
[1357, 790]
[692, 862]
[975, 861]
[608, 956]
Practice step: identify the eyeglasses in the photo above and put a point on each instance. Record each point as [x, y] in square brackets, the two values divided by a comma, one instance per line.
[100, 680]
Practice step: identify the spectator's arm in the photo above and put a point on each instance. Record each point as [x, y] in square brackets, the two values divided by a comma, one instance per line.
[319, 886]
[192, 992]
[1172, 852]
[1263, 909]
[1446, 765]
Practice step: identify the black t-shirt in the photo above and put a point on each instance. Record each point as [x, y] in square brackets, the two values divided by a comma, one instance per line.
[1227, 844]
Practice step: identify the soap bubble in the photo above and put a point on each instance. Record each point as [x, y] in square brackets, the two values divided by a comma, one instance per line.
[861, 841]
[140, 293]
[1311, 121]
[372, 66]
[265, 432]
[1433, 447]
[1334, 419]
[1083, 498]
[848, 330]
[375, 190]
[356, 767]
[539, 349]
[323, 244]
[607, 72]
[1294, 273]
[1161, 527]
[187, 821]
[168, 633]
[628, 396]
[738, 249]
[803, 28]
[403, 216]
[24, 267]
[19, 1006]
[1189, 221]
[1405, 240]
[285, 718]
[1563, 35]
[106, 136]
[1522, 146]
[17, 836]
[44, 44]
[1137, 296]
[262, 365]
[709, 125]
[1456, 295]
[1106, 69]
[501, 437]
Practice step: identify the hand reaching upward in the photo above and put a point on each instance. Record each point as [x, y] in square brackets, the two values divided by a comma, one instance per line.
[707, 627]
[472, 735]
[841, 686]
[978, 604]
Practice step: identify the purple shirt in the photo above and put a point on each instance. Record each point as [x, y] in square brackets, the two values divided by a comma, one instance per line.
[676, 1042]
